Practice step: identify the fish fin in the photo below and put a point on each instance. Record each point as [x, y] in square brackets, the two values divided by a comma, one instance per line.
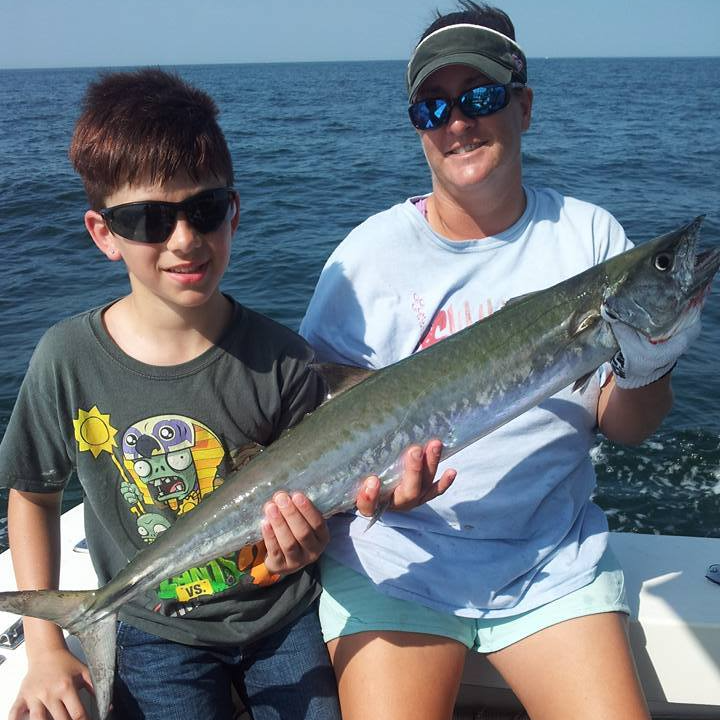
[580, 322]
[69, 610]
[340, 378]
[59, 606]
[98, 642]
[239, 457]
[582, 383]
[519, 298]
[383, 505]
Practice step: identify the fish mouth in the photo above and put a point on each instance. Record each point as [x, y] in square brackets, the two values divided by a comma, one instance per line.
[676, 301]
[706, 266]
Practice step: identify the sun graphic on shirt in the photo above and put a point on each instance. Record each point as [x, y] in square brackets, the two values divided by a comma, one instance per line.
[94, 432]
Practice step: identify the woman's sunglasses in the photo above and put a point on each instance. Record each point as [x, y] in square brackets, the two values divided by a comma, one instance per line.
[153, 221]
[477, 102]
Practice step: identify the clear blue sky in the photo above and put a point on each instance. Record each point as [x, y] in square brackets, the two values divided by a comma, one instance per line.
[67, 33]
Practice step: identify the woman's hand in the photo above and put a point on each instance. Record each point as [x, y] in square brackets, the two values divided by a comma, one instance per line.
[641, 361]
[418, 484]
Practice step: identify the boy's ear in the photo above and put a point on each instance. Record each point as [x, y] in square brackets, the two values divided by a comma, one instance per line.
[101, 235]
[235, 219]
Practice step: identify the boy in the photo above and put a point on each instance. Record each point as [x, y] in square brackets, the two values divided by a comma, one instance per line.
[148, 399]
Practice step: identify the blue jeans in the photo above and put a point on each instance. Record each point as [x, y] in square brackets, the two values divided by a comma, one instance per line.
[284, 676]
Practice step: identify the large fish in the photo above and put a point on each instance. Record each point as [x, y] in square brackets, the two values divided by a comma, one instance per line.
[457, 390]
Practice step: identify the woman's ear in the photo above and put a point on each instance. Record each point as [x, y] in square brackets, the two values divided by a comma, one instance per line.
[101, 235]
[527, 101]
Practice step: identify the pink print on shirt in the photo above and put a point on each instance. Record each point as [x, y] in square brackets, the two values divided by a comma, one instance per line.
[450, 319]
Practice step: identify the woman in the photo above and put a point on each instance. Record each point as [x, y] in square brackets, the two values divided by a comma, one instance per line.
[512, 560]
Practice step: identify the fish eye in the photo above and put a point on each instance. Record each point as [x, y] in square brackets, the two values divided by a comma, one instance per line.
[663, 261]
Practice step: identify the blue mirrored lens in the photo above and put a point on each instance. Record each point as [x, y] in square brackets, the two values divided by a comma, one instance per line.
[484, 100]
[476, 102]
[429, 114]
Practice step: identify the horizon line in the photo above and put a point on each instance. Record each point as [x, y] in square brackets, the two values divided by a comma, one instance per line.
[318, 62]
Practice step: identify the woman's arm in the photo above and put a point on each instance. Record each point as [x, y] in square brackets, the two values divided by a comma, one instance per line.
[630, 416]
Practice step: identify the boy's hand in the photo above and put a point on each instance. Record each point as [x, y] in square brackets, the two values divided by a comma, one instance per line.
[51, 688]
[418, 484]
[294, 532]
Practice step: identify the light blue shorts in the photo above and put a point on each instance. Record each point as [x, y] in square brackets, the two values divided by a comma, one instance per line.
[350, 603]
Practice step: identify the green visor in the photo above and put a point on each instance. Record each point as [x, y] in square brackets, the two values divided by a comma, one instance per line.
[486, 50]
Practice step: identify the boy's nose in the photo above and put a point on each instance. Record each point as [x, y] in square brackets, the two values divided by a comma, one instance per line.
[184, 237]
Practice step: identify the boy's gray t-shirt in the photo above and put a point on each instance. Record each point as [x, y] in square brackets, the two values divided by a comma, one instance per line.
[150, 443]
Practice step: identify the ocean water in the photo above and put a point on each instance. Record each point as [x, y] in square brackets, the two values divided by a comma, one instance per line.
[318, 147]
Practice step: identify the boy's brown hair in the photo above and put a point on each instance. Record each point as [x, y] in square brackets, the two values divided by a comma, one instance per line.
[146, 127]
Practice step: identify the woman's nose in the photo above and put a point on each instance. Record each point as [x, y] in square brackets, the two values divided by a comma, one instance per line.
[457, 119]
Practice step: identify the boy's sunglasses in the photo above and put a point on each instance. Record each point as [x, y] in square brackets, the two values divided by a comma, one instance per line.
[153, 221]
[477, 102]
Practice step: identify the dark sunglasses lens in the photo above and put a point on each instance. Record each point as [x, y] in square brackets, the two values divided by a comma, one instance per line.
[428, 114]
[207, 211]
[143, 222]
[154, 222]
[484, 100]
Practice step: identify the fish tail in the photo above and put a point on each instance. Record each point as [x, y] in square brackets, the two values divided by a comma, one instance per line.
[72, 610]
[98, 643]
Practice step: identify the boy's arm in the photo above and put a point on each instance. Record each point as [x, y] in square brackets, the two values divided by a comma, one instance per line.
[54, 673]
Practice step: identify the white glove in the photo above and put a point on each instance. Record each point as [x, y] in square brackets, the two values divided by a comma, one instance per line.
[640, 361]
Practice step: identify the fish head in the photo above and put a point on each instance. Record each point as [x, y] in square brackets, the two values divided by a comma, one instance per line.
[659, 287]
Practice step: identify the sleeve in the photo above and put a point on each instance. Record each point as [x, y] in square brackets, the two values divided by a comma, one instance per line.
[335, 323]
[609, 236]
[33, 452]
[302, 390]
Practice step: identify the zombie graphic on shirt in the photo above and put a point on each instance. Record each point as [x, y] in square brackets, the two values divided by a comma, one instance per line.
[169, 464]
